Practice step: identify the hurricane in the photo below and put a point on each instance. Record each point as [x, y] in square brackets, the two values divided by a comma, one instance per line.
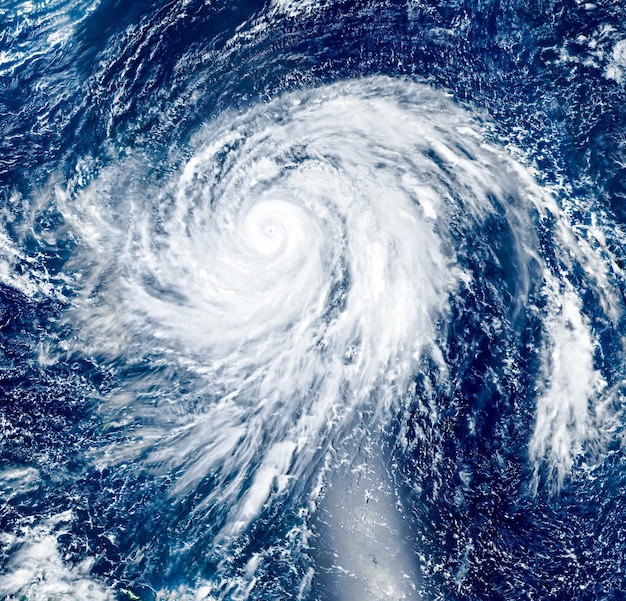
[312, 300]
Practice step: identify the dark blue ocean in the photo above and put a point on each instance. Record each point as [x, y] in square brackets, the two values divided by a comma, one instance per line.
[312, 299]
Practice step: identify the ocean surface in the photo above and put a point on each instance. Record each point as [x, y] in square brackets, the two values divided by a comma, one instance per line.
[317, 300]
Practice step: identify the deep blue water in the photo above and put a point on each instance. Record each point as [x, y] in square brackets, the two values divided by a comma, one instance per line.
[171, 429]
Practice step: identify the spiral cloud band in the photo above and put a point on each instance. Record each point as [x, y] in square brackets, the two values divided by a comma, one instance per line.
[299, 261]
[290, 273]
